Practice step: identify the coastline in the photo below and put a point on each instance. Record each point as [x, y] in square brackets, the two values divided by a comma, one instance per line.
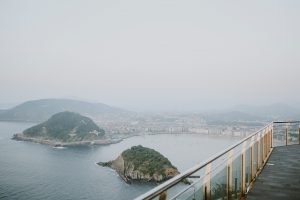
[56, 143]
[108, 141]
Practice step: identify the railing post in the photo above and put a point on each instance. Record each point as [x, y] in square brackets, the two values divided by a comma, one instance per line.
[243, 169]
[251, 160]
[286, 137]
[270, 141]
[251, 163]
[243, 178]
[262, 148]
[163, 196]
[257, 156]
[205, 193]
[299, 135]
[229, 175]
[266, 145]
[207, 177]
[272, 138]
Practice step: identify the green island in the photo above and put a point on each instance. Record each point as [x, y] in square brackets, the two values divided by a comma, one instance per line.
[142, 163]
[65, 129]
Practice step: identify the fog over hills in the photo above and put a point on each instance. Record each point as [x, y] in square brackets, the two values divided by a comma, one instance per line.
[40, 110]
[278, 111]
[249, 113]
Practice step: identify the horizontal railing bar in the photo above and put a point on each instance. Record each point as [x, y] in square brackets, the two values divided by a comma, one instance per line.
[286, 122]
[194, 177]
[173, 181]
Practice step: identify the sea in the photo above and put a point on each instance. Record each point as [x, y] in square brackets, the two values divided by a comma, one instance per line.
[30, 171]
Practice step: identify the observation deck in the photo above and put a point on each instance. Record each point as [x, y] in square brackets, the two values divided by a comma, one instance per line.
[264, 165]
[280, 178]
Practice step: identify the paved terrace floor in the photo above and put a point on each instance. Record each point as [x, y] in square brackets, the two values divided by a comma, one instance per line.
[280, 178]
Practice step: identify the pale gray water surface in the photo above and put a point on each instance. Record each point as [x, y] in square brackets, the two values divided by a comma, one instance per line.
[35, 171]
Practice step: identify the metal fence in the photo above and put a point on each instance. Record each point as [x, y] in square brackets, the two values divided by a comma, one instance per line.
[229, 174]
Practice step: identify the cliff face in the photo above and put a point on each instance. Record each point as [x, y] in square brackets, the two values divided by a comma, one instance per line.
[152, 167]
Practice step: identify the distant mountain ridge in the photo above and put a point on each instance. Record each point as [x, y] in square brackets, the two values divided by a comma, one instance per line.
[278, 111]
[41, 110]
[231, 116]
[253, 114]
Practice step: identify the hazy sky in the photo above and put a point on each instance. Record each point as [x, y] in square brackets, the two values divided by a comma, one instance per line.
[141, 55]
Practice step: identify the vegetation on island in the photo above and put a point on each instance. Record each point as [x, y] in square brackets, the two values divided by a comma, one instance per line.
[146, 160]
[66, 127]
[142, 163]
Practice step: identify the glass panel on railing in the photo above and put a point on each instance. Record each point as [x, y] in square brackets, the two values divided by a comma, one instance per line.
[247, 167]
[193, 191]
[189, 188]
[279, 134]
[254, 163]
[219, 184]
[286, 133]
[236, 178]
[219, 180]
[261, 147]
[156, 198]
[293, 133]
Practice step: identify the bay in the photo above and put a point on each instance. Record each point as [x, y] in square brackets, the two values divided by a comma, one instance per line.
[35, 171]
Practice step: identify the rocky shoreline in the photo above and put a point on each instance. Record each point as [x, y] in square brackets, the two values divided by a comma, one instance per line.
[56, 143]
[118, 166]
[129, 172]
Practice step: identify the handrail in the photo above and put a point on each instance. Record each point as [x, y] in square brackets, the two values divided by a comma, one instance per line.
[285, 122]
[173, 181]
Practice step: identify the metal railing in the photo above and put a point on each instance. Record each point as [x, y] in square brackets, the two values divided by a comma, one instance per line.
[230, 173]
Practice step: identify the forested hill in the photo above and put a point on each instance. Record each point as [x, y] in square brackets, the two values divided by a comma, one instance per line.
[142, 163]
[66, 127]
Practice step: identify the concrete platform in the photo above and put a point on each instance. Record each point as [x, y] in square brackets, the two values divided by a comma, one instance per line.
[280, 178]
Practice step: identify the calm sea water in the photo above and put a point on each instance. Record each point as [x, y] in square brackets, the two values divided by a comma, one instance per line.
[35, 171]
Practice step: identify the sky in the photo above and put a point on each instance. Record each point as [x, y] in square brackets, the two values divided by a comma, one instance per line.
[151, 55]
